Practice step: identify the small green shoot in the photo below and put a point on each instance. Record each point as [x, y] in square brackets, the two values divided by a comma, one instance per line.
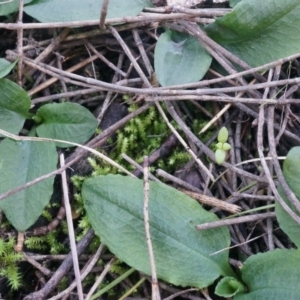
[222, 146]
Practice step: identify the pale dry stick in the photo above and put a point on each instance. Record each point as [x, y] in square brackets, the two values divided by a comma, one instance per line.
[38, 266]
[221, 112]
[62, 95]
[238, 245]
[85, 271]
[231, 100]
[62, 83]
[249, 161]
[212, 201]
[183, 143]
[254, 197]
[100, 279]
[197, 195]
[50, 48]
[130, 56]
[237, 220]
[71, 228]
[136, 165]
[201, 12]
[37, 139]
[20, 241]
[204, 292]
[274, 74]
[143, 53]
[160, 91]
[154, 282]
[105, 60]
[54, 79]
[215, 118]
[142, 18]
[293, 89]
[181, 293]
[20, 42]
[103, 14]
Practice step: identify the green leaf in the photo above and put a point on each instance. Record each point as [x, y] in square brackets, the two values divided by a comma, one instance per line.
[183, 255]
[259, 31]
[78, 10]
[6, 66]
[291, 172]
[22, 162]
[220, 156]
[179, 58]
[223, 135]
[229, 287]
[233, 3]
[8, 7]
[272, 275]
[66, 121]
[14, 106]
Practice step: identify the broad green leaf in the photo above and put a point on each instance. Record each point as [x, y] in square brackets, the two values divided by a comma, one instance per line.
[259, 31]
[6, 67]
[8, 7]
[78, 10]
[272, 275]
[183, 255]
[14, 106]
[22, 162]
[66, 121]
[291, 172]
[229, 287]
[179, 59]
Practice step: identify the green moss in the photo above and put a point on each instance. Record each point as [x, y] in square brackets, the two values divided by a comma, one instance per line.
[8, 263]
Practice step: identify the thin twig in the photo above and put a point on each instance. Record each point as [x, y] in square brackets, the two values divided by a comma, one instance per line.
[238, 220]
[71, 228]
[20, 42]
[85, 271]
[212, 201]
[103, 14]
[62, 270]
[140, 168]
[100, 278]
[155, 286]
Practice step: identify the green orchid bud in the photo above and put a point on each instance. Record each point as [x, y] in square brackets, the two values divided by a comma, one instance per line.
[223, 135]
[220, 156]
[219, 145]
[226, 147]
